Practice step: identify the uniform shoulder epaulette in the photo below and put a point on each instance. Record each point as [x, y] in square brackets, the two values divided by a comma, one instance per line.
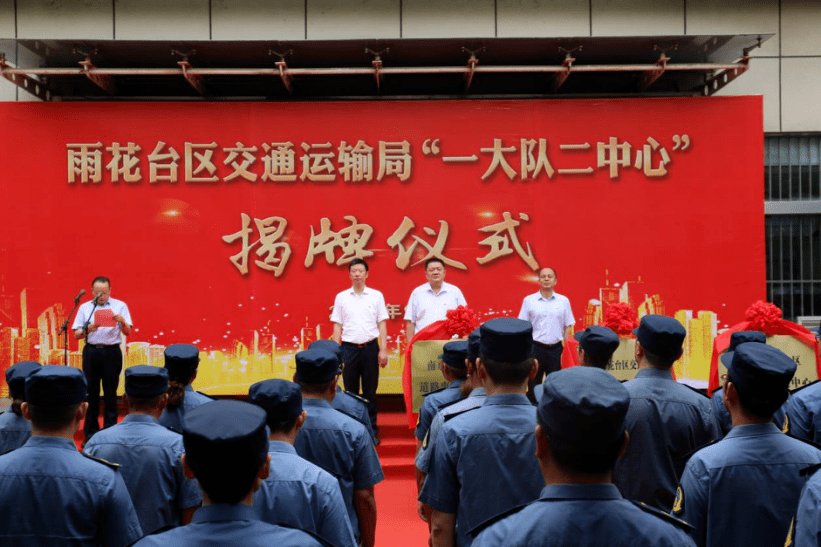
[442, 407]
[624, 381]
[796, 390]
[476, 530]
[2, 411]
[716, 390]
[350, 415]
[810, 470]
[451, 416]
[206, 395]
[811, 443]
[362, 400]
[432, 392]
[688, 455]
[9, 450]
[662, 515]
[112, 465]
[701, 392]
[175, 430]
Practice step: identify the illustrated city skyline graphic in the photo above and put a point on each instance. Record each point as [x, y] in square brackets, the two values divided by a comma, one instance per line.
[265, 354]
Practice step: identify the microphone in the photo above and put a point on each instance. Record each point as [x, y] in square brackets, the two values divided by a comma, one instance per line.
[80, 294]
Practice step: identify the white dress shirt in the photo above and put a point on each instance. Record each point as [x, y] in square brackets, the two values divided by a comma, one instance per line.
[426, 307]
[549, 316]
[103, 335]
[359, 314]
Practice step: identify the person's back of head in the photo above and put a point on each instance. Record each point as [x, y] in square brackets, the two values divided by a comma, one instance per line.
[453, 357]
[181, 361]
[16, 380]
[146, 388]
[506, 350]
[661, 339]
[581, 413]
[598, 344]
[225, 448]
[761, 376]
[316, 372]
[282, 402]
[53, 397]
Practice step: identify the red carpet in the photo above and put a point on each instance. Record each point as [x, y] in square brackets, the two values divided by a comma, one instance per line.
[397, 522]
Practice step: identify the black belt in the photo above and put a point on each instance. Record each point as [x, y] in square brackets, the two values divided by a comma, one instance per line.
[360, 346]
[548, 346]
[104, 346]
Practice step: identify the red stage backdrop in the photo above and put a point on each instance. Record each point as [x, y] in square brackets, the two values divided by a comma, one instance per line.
[230, 225]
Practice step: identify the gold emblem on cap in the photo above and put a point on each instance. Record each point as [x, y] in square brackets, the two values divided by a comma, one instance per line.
[679, 503]
[789, 534]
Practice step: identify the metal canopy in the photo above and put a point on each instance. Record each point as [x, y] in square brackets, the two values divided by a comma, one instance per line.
[407, 68]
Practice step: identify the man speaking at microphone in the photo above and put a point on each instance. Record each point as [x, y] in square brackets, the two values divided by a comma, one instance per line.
[102, 321]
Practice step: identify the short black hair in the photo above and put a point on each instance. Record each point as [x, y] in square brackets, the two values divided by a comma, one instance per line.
[313, 388]
[356, 262]
[431, 260]
[101, 279]
[555, 273]
[583, 462]
[763, 410]
[507, 373]
[228, 476]
[52, 417]
[143, 404]
[282, 426]
[658, 361]
[598, 361]
[459, 373]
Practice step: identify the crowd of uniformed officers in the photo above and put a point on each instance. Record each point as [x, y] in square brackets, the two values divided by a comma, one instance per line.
[581, 460]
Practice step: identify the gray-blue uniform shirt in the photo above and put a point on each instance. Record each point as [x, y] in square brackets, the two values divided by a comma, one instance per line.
[803, 410]
[432, 402]
[50, 494]
[355, 407]
[149, 458]
[584, 515]
[173, 417]
[14, 431]
[724, 421]
[225, 524]
[425, 455]
[744, 489]
[666, 421]
[340, 445]
[484, 463]
[807, 527]
[300, 494]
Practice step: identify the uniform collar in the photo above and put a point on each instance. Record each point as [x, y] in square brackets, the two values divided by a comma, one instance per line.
[224, 512]
[321, 403]
[188, 387]
[508, 399]
[655, 373]
[478, 392]
[580, 491]
[750, 430]
[42, 441]
[456, 384]
[139, 419]
[281, 446]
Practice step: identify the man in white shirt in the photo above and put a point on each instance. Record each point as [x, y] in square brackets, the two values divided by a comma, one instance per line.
[102, 357]
[552, 320]
[359, 317]
[430, 302]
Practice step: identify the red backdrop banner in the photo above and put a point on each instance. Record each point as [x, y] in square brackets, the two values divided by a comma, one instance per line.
[230, 225]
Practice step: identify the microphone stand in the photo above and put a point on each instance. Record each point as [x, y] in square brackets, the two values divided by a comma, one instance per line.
[64, 331]
[90, 316]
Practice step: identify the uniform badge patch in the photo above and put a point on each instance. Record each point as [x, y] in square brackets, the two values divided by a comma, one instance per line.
[678, 505]
[786, 427]
[789, 542]
[425, 441]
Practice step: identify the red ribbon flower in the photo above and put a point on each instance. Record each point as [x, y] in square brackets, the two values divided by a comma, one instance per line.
[461, 322]
[765, 317]
[620, 318]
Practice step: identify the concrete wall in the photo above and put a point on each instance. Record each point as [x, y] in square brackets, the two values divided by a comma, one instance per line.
[786, 70]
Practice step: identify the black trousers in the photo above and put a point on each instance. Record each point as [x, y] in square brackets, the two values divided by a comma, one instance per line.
[550, 360]
[102, 364]
[362, 367]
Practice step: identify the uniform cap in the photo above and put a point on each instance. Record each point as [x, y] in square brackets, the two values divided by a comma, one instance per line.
[761, 372]
[145, 382]
[742, 337]
[660, 335]
[54, 386]
[316, 366]
[583, 408]
[328, 345]
[454, 354]
[598, 341]
[17, 373]
[226, 432]
[506, 340]
[182, 361]
[280, 399]
[474, 340]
